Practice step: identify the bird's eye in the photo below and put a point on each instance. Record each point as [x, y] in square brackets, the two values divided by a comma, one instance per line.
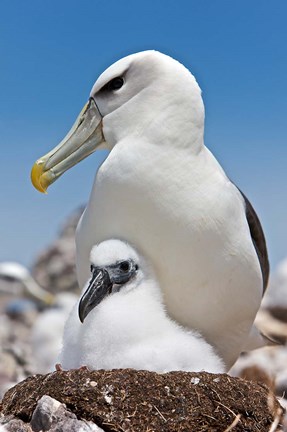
[125, 266]
[115, 84]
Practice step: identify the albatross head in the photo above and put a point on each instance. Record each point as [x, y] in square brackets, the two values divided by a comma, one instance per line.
[146, 95]
[115, 267]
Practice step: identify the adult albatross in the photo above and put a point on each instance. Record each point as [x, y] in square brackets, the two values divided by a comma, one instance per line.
[162, 190]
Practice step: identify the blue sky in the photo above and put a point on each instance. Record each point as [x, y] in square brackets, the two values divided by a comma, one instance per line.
[51, 53]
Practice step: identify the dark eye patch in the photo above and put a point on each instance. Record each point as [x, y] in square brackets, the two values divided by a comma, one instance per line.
[113, 85]
[124, 266]
[122, 271]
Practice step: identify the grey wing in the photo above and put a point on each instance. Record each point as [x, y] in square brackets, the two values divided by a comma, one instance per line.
[258, 239]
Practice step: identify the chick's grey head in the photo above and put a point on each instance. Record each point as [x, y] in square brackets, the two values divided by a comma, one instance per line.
[115, 266]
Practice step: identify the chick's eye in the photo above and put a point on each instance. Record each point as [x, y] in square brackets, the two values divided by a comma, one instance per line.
[125, 266]
[115, 83]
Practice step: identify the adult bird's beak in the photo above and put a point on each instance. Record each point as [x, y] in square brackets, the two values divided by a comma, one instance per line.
[100, 286]
[83, 139]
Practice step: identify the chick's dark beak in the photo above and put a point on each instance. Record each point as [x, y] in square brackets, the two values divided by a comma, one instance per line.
[100, 286]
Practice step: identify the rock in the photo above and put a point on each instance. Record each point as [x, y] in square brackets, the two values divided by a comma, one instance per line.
[50, 415]
[127, 400]
[22, 310]
[55, 268]
[15, 352]
[258, 374]
[15, 425]
[8, 366]
[45, 413]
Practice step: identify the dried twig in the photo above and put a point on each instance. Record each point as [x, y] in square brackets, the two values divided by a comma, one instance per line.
[230, 410]
[234, 423]
[160, 414]
[276, 421]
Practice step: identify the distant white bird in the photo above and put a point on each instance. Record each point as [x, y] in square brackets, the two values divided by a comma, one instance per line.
[162, 190]
[13, 271]
[276, 294]
[47, 330]
[124, 322]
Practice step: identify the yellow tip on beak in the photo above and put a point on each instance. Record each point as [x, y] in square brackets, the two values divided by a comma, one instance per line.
[83, 139]
[36, 174]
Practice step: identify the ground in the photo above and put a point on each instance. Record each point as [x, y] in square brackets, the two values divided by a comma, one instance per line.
[140, 401]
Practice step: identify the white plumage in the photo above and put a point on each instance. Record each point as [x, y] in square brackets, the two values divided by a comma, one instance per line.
[163, 191]
[129, 328]
[47, 332]
[13, 271]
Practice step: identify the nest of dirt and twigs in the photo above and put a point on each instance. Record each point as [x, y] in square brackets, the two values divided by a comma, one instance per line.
[141, 401]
